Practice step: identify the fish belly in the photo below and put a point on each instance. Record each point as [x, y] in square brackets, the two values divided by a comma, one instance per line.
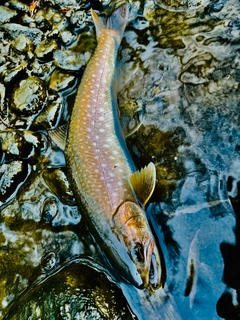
[97, 157]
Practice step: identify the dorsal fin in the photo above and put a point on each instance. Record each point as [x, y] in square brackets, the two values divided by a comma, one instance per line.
[59, 136]
[143, 182]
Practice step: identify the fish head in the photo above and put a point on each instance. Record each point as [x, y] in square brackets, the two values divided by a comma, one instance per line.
[136, 234]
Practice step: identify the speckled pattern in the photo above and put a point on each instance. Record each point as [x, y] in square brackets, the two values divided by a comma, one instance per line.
[96, 151]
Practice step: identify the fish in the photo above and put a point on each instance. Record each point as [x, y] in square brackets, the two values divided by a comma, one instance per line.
[110, 193]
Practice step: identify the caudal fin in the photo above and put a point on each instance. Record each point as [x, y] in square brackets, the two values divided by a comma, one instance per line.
[117, 21]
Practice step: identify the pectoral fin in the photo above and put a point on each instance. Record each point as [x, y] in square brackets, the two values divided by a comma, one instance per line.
[143, 182]
[59, 136]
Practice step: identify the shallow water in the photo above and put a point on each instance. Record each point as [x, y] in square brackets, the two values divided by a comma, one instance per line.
[178, 86]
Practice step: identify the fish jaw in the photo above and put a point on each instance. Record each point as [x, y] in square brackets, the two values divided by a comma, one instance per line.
[133, 228]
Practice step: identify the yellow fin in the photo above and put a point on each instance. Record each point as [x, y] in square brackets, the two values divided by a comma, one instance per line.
[59, 136]
[143, 182]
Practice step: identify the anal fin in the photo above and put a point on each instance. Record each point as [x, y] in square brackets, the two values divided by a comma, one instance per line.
[59, 136]
[143, 182]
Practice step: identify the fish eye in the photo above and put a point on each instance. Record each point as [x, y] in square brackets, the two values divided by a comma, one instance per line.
[139, 252]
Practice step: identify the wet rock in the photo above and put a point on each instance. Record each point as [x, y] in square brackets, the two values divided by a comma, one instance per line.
[42, 69]
[22, 43]
[29, 97]
[11, 73]
[48, 261]
[68, 60]
[50, 116]
[60, 81]
[78, 19]
[18, 5]
[58, 183]
[75, 292]
[12, 177]
[49, 209]
[6, 14]
[2, 60]
[14, 29]
[46, 48]
[59, 21]
[67, 37]
[66, 3]
[19, 143]
[2, 95]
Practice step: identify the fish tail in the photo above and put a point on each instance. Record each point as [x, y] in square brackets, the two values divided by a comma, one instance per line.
[117, 21]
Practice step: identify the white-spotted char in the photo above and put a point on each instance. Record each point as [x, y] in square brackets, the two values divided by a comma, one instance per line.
[101, 169]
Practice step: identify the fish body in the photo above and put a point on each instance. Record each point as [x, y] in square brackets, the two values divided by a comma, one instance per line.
[100, 165]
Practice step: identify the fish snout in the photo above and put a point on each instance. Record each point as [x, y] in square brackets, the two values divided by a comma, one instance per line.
[147, 259]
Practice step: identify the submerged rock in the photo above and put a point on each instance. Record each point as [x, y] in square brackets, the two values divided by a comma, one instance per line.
[75, 292]
[45, 49]
[58, 183]
[60, 81]
[12, 177]
[68, 60]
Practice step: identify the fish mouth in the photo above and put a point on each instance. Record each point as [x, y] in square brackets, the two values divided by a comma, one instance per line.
[149, 266]
[154, 266]
[154, 273]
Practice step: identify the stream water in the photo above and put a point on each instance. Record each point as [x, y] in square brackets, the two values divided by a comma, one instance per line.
[178, 86]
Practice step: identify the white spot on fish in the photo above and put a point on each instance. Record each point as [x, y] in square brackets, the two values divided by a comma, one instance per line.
[101, 109]
[96, 170]
[94, 144]
[101, 130]
[106, 145]
[88, 106]
[109, 140]
[92, 91]
[107, 125]
[88, 129]
[97, 137]
[101, 118]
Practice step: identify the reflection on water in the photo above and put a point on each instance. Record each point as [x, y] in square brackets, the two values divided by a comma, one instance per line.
[178, 83]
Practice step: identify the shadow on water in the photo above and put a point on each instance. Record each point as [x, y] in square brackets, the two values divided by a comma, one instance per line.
[228, 306]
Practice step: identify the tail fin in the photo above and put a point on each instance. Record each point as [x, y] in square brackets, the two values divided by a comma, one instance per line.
[117, 21]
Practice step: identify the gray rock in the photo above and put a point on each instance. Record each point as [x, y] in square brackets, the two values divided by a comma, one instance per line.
[6, 14]
[68, 60]
[15, 29]
[22, 43]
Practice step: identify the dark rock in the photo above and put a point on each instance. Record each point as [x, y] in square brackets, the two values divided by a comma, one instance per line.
[60, 81]
[29, 97]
